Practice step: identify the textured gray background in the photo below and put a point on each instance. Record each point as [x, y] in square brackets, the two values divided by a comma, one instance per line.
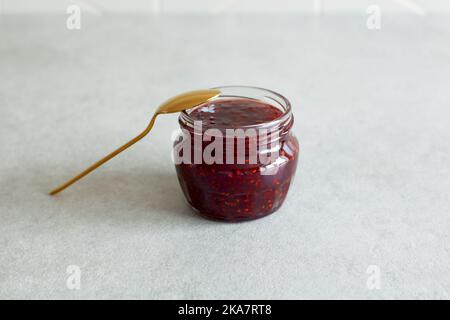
[373, 184]
[316, 7]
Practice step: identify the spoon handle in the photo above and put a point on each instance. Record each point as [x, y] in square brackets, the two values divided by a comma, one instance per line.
[105, 159]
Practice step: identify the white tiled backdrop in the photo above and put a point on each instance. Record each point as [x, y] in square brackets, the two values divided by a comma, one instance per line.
[317, 7]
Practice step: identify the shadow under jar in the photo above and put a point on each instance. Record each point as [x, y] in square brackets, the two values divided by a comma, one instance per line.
[236, 156]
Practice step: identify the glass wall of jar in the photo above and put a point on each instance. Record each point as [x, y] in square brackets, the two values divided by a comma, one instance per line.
[236, 155]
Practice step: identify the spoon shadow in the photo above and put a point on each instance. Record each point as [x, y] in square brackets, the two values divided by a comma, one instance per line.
[139, 195]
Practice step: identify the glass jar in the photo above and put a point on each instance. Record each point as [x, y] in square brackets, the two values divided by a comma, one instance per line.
[234, 180]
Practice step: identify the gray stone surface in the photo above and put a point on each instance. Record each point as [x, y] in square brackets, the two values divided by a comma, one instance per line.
[373, 185]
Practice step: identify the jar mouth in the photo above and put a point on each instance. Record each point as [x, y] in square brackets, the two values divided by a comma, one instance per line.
[253, 93]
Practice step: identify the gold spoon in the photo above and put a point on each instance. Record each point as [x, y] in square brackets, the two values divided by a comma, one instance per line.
[178, 103]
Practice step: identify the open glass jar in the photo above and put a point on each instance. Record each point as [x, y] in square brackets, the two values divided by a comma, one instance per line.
[236, 156]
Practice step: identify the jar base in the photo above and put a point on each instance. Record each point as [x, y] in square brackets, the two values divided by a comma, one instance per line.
[216, 218]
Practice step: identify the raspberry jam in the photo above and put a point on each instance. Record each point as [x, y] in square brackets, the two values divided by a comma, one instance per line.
[241, 182]
[232, 113]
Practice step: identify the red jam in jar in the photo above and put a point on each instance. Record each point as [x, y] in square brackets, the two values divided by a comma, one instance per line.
[247, 173]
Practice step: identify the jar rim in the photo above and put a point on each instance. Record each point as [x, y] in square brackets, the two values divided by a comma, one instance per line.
[284, 103]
